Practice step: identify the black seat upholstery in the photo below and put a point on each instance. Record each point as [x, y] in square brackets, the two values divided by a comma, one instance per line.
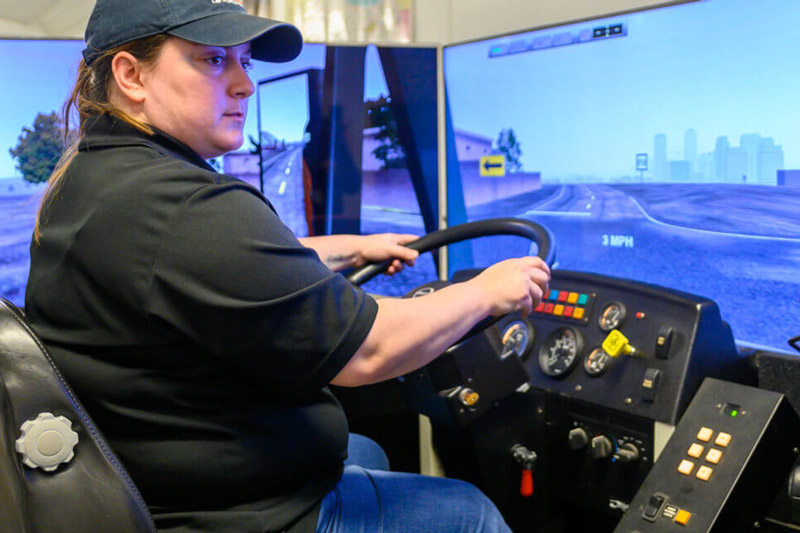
[92, 492]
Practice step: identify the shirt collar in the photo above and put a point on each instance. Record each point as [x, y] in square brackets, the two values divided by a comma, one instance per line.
[107, 131]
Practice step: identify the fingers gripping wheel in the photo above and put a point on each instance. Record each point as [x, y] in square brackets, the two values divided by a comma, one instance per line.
[47, 442]
[471, 230]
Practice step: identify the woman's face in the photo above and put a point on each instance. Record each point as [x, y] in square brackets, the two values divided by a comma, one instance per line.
[198, 94]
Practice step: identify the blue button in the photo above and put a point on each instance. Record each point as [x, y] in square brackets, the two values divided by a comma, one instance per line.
[582, 299]
[553, 295]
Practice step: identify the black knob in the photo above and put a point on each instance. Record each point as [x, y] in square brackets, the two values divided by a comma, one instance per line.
[627, 453]
[602, 447]
[578, 438]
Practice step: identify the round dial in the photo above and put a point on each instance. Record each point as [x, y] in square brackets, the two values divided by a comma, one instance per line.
[560, 351]
[517, 338]
[612, 316]
[596, 362]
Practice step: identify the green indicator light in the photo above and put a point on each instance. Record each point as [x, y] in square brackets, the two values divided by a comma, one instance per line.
[734, 413]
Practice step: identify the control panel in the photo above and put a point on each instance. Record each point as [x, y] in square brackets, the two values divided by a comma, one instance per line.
[632, 347]
[611, 366]
[723, 466]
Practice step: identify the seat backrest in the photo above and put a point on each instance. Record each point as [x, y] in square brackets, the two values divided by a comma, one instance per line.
[90, 492]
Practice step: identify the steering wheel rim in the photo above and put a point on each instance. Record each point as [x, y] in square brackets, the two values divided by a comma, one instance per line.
[462, 232]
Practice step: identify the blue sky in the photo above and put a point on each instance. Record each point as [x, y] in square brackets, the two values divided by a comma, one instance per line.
[39, 74]
[722, 67]
[37, 77]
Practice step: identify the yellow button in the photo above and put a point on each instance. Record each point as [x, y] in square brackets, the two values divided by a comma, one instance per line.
[578, 313]
[705, 434]
[683, 517]
[695, 450]
[558, 310]
[723, 439]
[686, 467]
[572, 298]
[704, 472]
[713, 455]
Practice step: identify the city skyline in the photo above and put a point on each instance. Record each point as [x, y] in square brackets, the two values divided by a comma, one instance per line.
[756, 160]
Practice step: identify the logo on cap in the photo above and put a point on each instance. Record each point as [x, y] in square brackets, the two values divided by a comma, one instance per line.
[237, 2]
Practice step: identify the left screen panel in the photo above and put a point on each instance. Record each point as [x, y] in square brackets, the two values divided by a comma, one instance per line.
[38, 77]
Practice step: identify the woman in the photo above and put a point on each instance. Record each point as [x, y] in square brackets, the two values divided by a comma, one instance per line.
[198, 331]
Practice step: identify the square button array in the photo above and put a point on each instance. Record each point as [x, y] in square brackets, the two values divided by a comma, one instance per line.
[696, 450]
[564, 304]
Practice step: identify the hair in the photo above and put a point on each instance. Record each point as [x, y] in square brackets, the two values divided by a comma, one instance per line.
[91, 97]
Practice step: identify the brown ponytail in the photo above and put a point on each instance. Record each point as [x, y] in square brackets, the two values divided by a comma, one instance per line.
[90, 97]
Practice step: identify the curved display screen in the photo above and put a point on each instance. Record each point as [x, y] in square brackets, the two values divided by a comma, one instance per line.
[658, 145]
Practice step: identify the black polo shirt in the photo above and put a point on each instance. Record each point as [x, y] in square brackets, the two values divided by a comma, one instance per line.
[198, 332]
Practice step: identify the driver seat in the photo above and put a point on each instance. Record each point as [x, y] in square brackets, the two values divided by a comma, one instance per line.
[89, 491]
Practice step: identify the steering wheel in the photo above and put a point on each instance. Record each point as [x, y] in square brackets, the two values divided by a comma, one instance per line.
[431, 390]
[471, 230]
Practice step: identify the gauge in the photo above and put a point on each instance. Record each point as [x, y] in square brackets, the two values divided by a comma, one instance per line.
[560, 351]
[517, 338]
[612, 316]
[596, 362]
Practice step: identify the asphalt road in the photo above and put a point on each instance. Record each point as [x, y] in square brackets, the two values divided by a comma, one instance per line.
[737, 245]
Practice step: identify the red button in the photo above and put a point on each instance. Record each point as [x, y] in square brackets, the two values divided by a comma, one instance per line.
[548, 308]
[562, 297]
[568, 310]
[540, 307]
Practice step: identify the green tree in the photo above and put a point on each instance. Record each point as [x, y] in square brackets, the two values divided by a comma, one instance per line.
[379, 115]
[38, 149]
[508, 145]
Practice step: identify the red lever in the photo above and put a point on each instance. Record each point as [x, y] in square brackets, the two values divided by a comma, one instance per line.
[526, 486]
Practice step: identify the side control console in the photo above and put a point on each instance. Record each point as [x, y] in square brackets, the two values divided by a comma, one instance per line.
[723, 466]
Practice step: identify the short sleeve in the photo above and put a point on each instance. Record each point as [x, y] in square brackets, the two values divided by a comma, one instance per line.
[231, 277]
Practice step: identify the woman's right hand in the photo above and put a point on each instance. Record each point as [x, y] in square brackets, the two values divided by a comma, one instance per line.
[514, 285]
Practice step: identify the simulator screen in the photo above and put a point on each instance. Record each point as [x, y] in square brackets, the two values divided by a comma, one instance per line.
[39, 78]
[659, 146]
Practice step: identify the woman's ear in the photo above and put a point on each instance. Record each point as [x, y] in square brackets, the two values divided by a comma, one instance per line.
[127, 73]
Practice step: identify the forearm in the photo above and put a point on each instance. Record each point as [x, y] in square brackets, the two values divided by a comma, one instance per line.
[338, 252]
[409, 333]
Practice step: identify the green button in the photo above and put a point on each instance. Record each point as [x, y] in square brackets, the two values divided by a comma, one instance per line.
[582, 299]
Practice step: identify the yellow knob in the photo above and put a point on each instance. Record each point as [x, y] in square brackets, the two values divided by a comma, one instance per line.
[468, 397]
[616, 343]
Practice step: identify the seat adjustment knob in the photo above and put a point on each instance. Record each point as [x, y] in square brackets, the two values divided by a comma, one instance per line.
[46, 442]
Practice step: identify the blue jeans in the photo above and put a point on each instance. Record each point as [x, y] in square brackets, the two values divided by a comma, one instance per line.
[369, 499]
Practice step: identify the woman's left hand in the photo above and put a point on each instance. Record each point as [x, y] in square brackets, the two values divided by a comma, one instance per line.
[382, 246]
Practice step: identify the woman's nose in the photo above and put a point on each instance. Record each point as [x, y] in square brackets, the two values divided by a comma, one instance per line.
[241, 84]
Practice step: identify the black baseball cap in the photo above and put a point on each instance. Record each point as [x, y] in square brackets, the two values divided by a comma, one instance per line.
[211, 22]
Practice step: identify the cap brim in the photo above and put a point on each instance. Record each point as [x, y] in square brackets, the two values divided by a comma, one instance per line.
[277, 42]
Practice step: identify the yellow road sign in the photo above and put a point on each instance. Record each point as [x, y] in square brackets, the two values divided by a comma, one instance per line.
[493, 165]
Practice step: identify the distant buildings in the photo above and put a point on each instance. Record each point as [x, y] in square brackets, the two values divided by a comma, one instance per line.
[756, 160]
[471, 146]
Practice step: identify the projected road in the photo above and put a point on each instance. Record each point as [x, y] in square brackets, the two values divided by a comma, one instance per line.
[703, 239]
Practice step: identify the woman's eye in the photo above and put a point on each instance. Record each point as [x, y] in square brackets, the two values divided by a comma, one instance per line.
[247, 65]
[215, 61]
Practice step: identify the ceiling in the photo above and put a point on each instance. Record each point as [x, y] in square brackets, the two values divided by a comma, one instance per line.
[58, 18]
[44, 18]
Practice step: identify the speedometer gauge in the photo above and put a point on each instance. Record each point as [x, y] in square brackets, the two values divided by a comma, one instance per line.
[596, 362]
[612, 316]
[560, 352]
[517, 338]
